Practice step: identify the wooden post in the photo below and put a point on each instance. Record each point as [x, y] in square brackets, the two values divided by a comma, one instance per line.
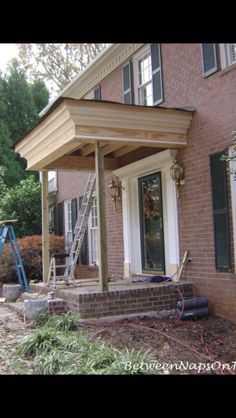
[102, 236]
[45, 226]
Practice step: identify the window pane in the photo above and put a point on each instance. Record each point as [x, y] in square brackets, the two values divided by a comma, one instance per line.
[145, 71]
[209, 58]
[127, 98]
[145, 95]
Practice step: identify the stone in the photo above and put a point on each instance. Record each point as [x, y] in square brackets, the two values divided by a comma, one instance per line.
[11, 292]
[35, 307]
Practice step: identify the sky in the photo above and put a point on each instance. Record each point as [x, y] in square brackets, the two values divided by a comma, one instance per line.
[7, 51]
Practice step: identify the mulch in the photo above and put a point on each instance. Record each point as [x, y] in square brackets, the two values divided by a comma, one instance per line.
[187, 344]
[174, 342]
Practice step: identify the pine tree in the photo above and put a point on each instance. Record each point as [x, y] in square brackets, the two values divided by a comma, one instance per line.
[20, 104]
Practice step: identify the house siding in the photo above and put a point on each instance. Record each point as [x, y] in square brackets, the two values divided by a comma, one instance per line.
[184, 85]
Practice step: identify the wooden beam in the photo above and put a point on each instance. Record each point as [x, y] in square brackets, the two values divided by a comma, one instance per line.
[87, 149]
[124, 150]
[135, 138]
[73, 162]
[101, 208]
[45, 226]
[110, 148]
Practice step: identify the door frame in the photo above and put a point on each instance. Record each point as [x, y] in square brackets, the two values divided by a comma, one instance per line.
[146, 270]
[129, 175]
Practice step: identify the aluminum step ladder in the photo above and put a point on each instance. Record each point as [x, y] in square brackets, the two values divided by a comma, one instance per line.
[6, 227]
[79, 233]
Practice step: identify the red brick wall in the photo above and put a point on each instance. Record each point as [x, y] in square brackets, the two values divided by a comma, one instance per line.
[72, 184]
[111, 86]
[213, 122]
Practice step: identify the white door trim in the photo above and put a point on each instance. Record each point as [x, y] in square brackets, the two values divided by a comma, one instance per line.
[129, 176]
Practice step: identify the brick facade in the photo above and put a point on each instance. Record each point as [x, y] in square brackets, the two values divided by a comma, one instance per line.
[210, 132]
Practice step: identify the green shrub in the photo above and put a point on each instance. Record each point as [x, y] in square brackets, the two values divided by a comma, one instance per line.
[64, 322]
[55, 362]
[54, 350]
[38, 340]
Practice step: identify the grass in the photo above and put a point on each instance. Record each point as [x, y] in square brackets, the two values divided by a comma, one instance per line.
[57, 346]
[65, 322]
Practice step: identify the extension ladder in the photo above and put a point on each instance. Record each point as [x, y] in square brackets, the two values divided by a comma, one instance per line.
[79, 233]
[7, 228]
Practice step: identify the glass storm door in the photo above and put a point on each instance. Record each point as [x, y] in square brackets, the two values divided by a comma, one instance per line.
[151, 224]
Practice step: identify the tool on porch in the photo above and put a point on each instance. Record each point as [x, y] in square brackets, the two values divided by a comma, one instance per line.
[6, 227]
[179, 271]
[79, 233]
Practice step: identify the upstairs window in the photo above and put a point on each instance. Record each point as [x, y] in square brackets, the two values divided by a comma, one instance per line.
[209, 59]
[148, 76]
[145, 80]
[227, 55]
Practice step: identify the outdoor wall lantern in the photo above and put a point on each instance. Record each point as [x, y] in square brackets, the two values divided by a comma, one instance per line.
[177, 174]
[114, 190]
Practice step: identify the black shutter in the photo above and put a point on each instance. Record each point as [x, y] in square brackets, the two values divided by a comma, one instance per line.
[60, 217]
[127, 83]
[156, 74]
[209, 59]
[74, 213]
[97, 93]
[84, 255]
[220, 213]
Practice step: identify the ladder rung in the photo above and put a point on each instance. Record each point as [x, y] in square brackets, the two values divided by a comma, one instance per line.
[61, 265]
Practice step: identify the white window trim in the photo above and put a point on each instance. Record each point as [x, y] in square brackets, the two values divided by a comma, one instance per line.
[66, 221]
[136, 58]
[225, 56]
[130, 203]
[52, 175]
[89, 237]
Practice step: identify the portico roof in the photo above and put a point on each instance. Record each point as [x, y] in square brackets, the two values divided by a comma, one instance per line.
[65, 136]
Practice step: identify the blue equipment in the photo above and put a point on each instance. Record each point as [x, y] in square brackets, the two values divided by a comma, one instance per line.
[6, 227]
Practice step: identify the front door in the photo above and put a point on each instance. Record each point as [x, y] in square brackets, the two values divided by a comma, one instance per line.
[151, 224]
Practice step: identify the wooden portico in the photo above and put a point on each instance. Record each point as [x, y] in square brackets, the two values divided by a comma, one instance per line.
[87, 135]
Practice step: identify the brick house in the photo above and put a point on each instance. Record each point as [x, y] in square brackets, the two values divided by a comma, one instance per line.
[148, 105]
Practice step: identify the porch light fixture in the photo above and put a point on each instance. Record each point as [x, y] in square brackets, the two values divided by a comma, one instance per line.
[114, 190]
[177, 174]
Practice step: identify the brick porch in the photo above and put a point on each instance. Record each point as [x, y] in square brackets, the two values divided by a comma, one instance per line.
[123, 298]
